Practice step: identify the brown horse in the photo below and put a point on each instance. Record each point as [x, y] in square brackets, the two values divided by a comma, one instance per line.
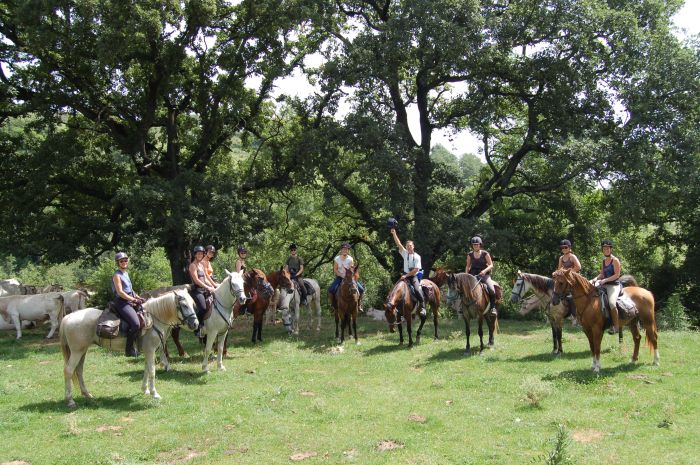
[474, 300]
[348, 301]
[259, 292]
[400, 304]
[590, 314]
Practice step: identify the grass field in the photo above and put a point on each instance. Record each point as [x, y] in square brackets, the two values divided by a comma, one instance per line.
[301, 400]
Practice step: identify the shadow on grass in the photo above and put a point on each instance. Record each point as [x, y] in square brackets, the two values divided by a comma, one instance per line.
[33, 342]
[587, 376]
[549, 357]
[386, 348]
[120, 404]
[183, 377]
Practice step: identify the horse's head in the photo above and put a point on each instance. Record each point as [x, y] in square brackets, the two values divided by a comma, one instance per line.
[453, 288]
[285, 278]
[185, 309]
[349, 281]
[518, 290]
[562, 285]
[236, 285]
[439, 277]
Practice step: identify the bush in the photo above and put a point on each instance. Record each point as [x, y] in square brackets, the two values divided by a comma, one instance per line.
[559, 455]
[535, 390]
[673, 315]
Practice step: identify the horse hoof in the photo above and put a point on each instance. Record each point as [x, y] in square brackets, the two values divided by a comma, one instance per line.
[222, 368]
[71, 404]
[167, 367]
[146, 392]
[87, 395]
[358, 343]
[156, 396]
[185, 355]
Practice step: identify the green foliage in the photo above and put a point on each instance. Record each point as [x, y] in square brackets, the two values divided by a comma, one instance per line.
[535, 390]
[559, 455]
[673, 315]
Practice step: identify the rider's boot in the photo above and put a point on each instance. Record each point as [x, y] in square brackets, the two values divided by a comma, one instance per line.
[130, 350]
[615, 320]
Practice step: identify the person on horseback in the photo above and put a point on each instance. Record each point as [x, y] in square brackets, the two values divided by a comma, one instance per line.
[609, 279]
[479, 264]
[411, 268]
[295, 265]
[342, 262]
[127, 302]
[210, 254]
[240, 261]
[202, 285]
[567, 260]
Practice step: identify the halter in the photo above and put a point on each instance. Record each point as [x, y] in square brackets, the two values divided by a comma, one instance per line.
[182, 318]
[218, 305]
[520, 282]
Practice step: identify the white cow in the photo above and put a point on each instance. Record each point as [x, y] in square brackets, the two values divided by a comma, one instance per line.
[74, 300]
[8, 325]
[10, 287]
[18, 308]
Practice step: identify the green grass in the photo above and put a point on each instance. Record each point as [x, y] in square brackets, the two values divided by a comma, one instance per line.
[295, 396]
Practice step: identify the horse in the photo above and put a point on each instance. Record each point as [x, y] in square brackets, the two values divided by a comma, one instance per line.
[259, 293]
[312, 305]
[37, 307]
[474, 300]
[288, 301]
[230, 291]
[348, 301]
[400, 303]
[77, 333]
[542, 288]
[590, 314]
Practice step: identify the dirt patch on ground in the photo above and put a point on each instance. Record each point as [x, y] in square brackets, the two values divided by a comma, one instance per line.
[16, 462]
[307, 393]
[587, 436]
[105, 428]
[388, 444]
[352, 453]
[417, 418]
[299, 456]
[236, 450]
[126, 419]
[177, 456]
[335, 350]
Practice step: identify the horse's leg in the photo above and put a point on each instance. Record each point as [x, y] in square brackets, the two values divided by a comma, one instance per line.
[467, 349]
[255, 329]
[178, 344]
[354, 327]
[554, 337]
[619, 335]
[18, 324]
[560, 330]
[398, 323]
[53, 317]
[597, 342]
[68, 374]
[481, 334]
[220, 352]
[343, 324]
[636, 337]
[434, 306]
[209, 341]
[420, 327]
[491, 323]
[335, 315]
[317, 307]
[81, 381]
[409, 331]
[296, 316]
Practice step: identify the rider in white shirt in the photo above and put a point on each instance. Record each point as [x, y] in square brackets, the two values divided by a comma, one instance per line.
[411, 268]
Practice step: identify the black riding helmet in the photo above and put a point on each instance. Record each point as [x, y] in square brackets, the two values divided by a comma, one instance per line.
[392, 223]
[120, 256]
[210, 248]
[565, 243]
[242, 249]
[198, 248]
[606, 242]
[476, 240]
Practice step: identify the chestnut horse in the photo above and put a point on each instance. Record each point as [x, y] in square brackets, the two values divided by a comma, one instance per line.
[590, 314]
[348, 300]
[474, 300]
[400, 303]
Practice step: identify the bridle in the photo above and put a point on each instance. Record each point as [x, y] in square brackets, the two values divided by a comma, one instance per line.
[520, 283]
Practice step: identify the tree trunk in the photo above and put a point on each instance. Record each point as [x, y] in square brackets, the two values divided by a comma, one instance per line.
[177, 256]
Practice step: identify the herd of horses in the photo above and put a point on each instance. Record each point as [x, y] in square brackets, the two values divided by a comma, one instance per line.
[256, 292]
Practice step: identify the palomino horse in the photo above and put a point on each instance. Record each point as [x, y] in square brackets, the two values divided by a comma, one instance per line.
[348, 300]
[220, 322]
[77, 333]
[474, 300]
[542, 288]
[400, 303]
[590, 315]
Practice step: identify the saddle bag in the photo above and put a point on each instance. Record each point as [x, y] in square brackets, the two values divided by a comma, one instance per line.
[108, 324]
[626, 306]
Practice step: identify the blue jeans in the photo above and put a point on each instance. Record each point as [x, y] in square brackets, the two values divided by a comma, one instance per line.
[336, 282]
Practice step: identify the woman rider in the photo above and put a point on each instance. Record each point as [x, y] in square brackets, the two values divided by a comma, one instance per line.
[126, 300]
[295, 264]
[479, 264]
[201, 284]
[609, 278]
[568, 261]
[342, 262]
[209, 255]
[240, 261]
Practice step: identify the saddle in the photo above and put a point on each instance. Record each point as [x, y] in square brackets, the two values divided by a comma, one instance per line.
[626, 308]
[309, 289]
[109, 325]
[497, 288]
[428, 292]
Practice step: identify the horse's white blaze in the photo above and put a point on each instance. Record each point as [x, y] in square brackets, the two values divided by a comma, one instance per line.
[18, 308]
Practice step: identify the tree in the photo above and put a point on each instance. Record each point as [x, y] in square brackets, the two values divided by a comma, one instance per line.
[135, 107]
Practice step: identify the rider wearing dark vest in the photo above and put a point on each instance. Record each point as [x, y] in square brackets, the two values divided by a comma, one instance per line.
[479, 264]
[295, 265]
[568, 261]
[202, 285]
[125, 300]
[411, 267]
[609, 278]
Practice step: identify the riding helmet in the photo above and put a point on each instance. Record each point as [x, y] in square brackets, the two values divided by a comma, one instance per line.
[210, 248]
[292, 246]
[606, 242]
[345, 245]
[392, 223]
[242, 249]
[120, 255]
[198, 248]
[565, 243]
[476, 240]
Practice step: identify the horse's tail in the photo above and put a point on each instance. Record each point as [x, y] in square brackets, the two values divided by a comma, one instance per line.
[65, 348]
[62, 310]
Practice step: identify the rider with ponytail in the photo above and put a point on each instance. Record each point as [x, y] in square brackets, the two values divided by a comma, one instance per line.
[127, 301]
[568, 261]
[202, 285]
[479, 264]
[609, 279]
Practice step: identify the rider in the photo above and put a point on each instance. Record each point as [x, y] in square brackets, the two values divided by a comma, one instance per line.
[240, 261]
[568, 261]
[609, 278]
[342, 262]
[411, 268]
[202, 285]
[127, 301]
[209, 255]
[295, 265]
[479, 264]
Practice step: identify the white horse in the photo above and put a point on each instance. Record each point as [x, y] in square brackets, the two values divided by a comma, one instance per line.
[78, 332]
[313, 305]
[542, 288]
[221, 319]
[18, 308]
[289, 306]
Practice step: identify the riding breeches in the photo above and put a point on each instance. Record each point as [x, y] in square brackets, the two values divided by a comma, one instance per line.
[415, 282]
[613, 290]
[200, 299]
[128, 313]
[301, 286]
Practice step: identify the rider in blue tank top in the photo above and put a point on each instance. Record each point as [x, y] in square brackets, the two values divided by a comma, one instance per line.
[609, 278]
[126, 302]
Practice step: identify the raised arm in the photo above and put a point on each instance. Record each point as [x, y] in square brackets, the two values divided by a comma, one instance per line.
[397, 241]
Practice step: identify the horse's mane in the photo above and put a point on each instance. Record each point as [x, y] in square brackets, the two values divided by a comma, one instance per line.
[580, 280]
[541, 283]
[394, 290]
[439, 277]
[161, 307]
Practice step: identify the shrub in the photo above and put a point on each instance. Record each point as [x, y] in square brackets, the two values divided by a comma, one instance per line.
[535, 390]
[674, 315]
